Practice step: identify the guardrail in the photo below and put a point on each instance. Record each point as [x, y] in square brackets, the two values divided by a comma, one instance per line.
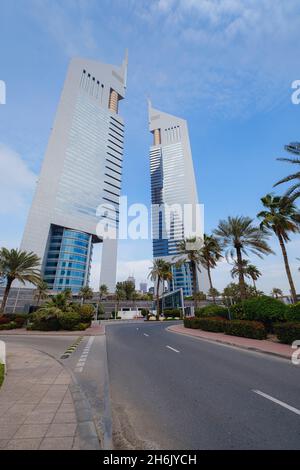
[3, 353]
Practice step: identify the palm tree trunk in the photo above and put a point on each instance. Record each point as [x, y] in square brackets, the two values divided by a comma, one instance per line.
[194, 275]
[210, 283]
[254, 285]
[157, 299]
[241, 274]
[5, 296]
[287, 268]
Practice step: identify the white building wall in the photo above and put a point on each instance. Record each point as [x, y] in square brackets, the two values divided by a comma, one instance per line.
[72, 183]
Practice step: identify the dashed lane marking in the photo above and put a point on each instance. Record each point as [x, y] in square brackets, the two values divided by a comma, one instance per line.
[172, 349]
[278, 402]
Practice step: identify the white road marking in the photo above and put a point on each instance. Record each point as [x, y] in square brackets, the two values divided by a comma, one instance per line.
[82, 360]
[172, 349]
[281, 403]
[145, 334]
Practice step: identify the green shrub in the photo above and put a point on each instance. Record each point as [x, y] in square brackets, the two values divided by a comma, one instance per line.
[264, 309]
[8, 326]
[68, 320]
[18, 318]
[237, 311]
[144, 312]
[215, 324]
[20, 321]
[4, 320]
[293, 313]
[46, 319]
[246, 329]
[174, 312]
[87, 313]
[287, 332]
[81, 327]
[212, 311]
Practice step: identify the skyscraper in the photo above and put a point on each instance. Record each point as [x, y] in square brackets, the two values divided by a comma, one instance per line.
[82, 170]
[173, 185]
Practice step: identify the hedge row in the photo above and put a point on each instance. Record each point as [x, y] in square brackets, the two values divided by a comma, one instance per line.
[267, 310]
[287, 332]
[244, 328]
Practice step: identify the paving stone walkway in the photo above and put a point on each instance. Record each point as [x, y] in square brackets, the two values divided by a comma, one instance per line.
[38, 407]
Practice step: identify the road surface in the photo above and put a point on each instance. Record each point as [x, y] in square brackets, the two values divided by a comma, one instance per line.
[170, 391]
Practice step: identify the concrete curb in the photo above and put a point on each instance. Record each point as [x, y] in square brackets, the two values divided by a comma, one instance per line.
[88, 436]
[107, 413]
[229, 343]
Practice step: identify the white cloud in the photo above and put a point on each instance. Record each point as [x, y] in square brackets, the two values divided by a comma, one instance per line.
[17, 182]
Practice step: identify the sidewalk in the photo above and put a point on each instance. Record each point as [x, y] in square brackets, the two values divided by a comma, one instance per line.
[97, 330]
[40, 407]
[263, 346]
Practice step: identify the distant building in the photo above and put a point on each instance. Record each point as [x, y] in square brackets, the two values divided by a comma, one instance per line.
[173, 184]
[131, 279]
[143, 287]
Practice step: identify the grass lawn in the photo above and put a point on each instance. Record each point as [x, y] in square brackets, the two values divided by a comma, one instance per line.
[1, 374]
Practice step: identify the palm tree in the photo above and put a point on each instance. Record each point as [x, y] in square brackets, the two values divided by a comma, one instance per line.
[68, 293]
[41, 292]
[249, 270]
[60, 301]
[294, 191]
[192, 255]
[213, 292]
[235, 271]
[210, 254]
[276, 292]
[282, 217]
[18, 265]
[103, 291]
[254, 273]
[238, 235]
[160, 272]
[120, 294]
[85, 293]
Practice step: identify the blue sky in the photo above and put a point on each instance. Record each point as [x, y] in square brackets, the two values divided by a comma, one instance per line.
[225, 66]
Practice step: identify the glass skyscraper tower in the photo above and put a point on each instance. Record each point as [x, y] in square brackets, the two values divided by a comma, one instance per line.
[81, 171]
[172, 184]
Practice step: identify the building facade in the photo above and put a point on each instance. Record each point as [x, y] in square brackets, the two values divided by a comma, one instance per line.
[80, 180]
[173, 193]
[143, 287]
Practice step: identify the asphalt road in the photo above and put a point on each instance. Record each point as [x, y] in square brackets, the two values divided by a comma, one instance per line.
[170, 391]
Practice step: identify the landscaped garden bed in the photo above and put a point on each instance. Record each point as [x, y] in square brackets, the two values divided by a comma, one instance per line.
[59, 313]
[254, 318]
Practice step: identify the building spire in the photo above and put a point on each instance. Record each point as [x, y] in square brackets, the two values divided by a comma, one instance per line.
[125, 66]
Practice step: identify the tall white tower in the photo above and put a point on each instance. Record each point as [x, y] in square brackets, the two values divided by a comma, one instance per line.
[173, 185]
[82, 169]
